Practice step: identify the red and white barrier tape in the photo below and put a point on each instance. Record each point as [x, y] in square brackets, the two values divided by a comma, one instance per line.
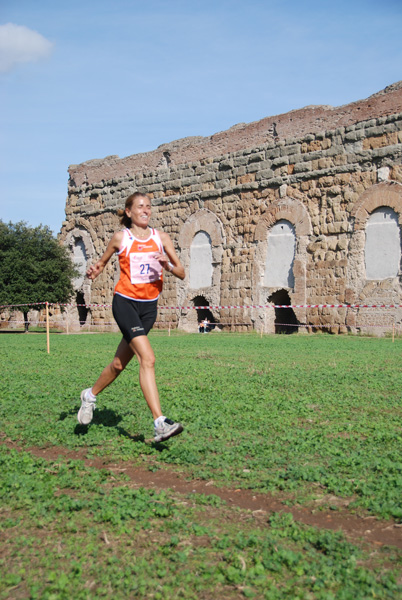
[62, 325]
[256, 306]
[330, 325]
[27, 304]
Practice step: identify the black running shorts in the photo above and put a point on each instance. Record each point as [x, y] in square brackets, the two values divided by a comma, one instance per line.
[133, 318]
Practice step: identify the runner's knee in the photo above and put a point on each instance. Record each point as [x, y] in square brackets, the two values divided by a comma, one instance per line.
[148, 360]
[117, 366]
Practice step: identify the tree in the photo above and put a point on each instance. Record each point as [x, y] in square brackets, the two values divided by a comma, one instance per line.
[34, 267]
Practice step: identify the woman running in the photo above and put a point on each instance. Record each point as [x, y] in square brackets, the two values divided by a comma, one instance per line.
[143, 254]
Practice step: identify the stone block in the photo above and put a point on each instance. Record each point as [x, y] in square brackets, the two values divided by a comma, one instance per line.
[302, 167]
[240, 161]
[256, 157]
[354, 136]
[225, 165]
[280, 161]
[265, 174]
[247, 178]
[273, 153]
[289, 150]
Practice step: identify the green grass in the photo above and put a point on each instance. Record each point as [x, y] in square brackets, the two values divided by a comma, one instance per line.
[67, 533]
[306, 417]
[273, 413]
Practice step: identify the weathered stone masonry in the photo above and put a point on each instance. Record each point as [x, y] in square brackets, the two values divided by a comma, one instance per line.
[322, 171]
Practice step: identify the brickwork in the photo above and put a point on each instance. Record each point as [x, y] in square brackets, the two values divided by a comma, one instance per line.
[323, 169]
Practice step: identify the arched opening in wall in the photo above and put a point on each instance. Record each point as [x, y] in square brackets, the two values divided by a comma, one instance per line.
[280, 255]
[82, 310]
[204, 313]
[201, 261]
[382, 251]
[285, 318]
[80, 259]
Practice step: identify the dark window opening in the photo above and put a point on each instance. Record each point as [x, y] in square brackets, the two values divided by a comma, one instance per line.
[204, 313]
[285, 318]
[82, 309]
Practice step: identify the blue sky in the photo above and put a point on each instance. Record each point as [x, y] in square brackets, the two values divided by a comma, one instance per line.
[86, 79]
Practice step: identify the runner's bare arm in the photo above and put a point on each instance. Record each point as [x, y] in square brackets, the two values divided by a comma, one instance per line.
[112, 247]
[170, 261]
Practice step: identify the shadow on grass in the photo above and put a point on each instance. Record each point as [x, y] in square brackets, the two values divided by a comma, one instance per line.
[108, 418]
[103, 416]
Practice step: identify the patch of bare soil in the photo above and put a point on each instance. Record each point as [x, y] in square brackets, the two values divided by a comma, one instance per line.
[362, 529]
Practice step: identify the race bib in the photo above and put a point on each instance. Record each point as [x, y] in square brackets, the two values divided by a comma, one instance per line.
[144, 268]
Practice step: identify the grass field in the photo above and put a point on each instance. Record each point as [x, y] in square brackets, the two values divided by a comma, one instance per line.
[313, 420]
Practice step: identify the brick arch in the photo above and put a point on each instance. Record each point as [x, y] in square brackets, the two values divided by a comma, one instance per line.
[207, 221]
[358, 288]
[202, 220]
[294, 212]
[82, 230]
[288, 209]
[383, 194]
[77, 225]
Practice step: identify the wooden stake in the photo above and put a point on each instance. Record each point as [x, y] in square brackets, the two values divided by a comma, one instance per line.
[47, 328]
[393, 332]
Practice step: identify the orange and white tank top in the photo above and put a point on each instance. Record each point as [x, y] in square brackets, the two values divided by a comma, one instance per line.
[141, 275]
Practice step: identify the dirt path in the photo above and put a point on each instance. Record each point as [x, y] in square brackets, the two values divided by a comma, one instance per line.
[357, 529]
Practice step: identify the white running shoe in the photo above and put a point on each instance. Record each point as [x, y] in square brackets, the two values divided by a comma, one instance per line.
[166, 430]
[86, 411]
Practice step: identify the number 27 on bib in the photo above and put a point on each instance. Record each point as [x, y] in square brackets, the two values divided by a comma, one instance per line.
[144, 268]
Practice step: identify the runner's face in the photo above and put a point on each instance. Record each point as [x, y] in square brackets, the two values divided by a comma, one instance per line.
[140, 211]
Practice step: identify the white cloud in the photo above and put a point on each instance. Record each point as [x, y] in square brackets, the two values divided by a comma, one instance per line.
[18, 44]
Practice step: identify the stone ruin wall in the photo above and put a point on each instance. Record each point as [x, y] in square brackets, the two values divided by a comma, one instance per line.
[323, 169]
